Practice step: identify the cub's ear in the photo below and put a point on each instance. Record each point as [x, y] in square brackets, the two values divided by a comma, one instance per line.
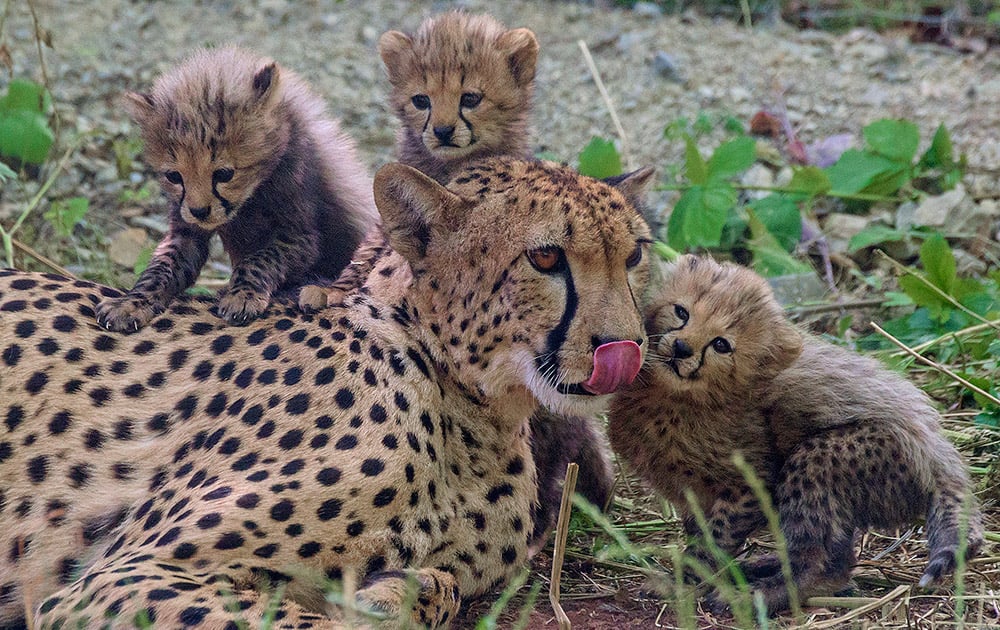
[522, 51]
[414, 207]
[396, 49]
[634, 186]
[140, 106]
[788, 345]
[265, 84]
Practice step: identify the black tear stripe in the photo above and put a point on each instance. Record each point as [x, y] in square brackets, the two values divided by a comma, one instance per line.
[557, 336]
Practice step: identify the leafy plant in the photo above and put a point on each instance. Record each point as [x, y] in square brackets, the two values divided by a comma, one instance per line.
[600, 159]
[64, 214]
[25, 135]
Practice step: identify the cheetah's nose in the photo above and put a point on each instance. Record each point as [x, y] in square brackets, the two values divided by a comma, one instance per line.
[200, 213]
[681, 349]
[444, 133]
[615, 364]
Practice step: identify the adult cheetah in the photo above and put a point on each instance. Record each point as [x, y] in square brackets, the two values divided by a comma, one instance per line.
[167, 475]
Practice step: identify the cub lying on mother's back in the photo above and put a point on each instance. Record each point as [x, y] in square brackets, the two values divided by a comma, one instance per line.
[167, 476]
[244, 149]
[842, 443]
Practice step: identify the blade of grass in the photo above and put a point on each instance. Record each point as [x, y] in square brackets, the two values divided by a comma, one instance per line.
[559, 553]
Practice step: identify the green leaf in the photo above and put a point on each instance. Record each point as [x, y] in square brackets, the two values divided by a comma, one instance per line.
[769, 257]
[145, 255]
[872, 235]
[719, 197]
[922, 295]
[693, 223]
[28, 96]
[856, 169]
[664, 251]
[732, 158]
[810, 180]
[6, 173]
[694, 164]
[780, 215]
[600, 159]
[894, 139]
[64, 214]
[938, 262]
[25, 135]
[940, 153]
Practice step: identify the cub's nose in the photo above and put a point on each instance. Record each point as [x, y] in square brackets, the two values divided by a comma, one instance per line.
[444, 133]
[200, 213]
[681, 349]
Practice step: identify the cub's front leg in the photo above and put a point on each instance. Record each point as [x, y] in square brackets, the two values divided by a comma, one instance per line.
[258, 276]
[174, 267]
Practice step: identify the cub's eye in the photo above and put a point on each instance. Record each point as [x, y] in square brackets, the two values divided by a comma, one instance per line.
[721, 345]
[547, 259]
[174, 177]
[421, 101]
[471, 99]
[681, 312]
[635, 257]
[222, 175]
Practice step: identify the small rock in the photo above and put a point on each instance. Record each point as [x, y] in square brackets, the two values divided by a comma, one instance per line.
[944, 209]
[740, 94]
[647, 9]
[156, 225]
[126, 246]
[839, 228]
[905, 216]
[758, 175]
[627, 41]
[798, 288]
[966, 264]
[666, 66]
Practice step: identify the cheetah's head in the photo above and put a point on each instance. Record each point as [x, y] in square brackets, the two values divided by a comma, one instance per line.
[527, 275]
[213, 129]
[717, 328]
[462, 83]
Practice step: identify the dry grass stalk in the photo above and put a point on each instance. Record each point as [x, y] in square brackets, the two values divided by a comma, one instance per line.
[559, 551]
[626, 153]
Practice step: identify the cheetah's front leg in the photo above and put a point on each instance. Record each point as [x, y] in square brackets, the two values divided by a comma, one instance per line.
[431, 596]
[174, 267]
[258, 276]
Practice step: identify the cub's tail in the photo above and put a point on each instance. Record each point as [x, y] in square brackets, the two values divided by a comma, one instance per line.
[953, 512]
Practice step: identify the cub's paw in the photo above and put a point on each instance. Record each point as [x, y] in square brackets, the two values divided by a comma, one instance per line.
[126, 314]
[239, 307]
[312, 297]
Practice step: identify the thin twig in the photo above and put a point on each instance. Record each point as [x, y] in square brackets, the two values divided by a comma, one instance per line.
[858, 612]
[626, 153]
[48, 262]
[41, 63]
[559, 550]
[965, 331]
[812, 309]
[937, 366]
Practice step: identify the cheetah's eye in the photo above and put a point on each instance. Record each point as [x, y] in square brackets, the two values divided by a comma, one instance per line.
[421, 101]
[471, 99]
[548, 259]
[635, 257]
[681, 312]
[722, 345]
[222, 175]
[174, 177]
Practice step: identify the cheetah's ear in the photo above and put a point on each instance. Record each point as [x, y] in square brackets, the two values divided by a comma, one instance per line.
[140, 106]
[634, 187]
[396, 49]
[265, 84]
[414, 207]
[522, 48]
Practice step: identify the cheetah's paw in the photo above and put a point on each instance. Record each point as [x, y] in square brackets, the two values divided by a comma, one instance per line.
[126, 314]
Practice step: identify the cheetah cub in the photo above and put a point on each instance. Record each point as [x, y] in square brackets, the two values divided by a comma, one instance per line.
[461, 87]
[244, 149]
[842, 443]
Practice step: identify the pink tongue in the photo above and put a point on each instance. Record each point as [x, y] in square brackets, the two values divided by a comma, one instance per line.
[615, 364]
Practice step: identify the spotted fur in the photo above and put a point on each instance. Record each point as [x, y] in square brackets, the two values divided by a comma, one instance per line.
[244, 149]
[180, 475]
[841, 443]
